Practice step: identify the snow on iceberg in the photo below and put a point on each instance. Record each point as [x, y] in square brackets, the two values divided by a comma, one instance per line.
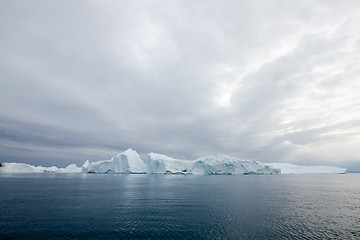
[126, 162]
[219, 164]
[288, 168]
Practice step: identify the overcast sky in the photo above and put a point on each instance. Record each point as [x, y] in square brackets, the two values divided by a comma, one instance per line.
[274, 81]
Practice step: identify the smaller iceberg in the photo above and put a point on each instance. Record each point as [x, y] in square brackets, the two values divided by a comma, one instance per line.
[126, 162]
[17, 168]
[288, 168]
[27, 168]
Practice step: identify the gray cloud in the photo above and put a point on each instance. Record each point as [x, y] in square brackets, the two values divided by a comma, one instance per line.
[267, 81]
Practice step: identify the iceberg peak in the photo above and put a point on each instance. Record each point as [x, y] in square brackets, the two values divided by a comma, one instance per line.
[86, 163]
[128, 161]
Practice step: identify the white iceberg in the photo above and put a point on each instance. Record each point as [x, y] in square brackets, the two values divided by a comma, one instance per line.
[126, 162]
[288, 168]
[17, 167]
[130, 162]
[27, 168]
[219, 164]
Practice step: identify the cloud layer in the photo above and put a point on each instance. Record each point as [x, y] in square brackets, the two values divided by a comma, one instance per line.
[270, 81]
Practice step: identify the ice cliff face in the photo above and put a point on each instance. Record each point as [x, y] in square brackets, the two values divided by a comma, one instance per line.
[223, 164]
[219, 164]
[159, 163]
[126, 162]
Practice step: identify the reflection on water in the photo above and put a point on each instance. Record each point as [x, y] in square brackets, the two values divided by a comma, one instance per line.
[95, 206]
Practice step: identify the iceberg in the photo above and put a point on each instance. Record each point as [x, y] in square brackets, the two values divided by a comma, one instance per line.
[219, 165]
[288, 168]
[126, 162]
[129, 162]
[17, 167]
[27, 168]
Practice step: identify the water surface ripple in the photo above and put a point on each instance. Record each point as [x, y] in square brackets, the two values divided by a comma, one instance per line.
[96, 206]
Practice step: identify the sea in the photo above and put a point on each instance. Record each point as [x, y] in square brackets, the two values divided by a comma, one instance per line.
[119, 206]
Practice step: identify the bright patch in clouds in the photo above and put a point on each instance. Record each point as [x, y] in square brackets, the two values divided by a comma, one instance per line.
[225, 92]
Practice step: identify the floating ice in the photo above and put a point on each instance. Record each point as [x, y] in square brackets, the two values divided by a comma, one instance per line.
[130, 162]
[27, 168]
[17, 167]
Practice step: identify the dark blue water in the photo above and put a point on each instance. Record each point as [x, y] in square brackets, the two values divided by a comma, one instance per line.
[95, 206]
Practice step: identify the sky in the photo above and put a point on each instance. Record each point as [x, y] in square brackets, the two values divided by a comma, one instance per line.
[273, 81]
